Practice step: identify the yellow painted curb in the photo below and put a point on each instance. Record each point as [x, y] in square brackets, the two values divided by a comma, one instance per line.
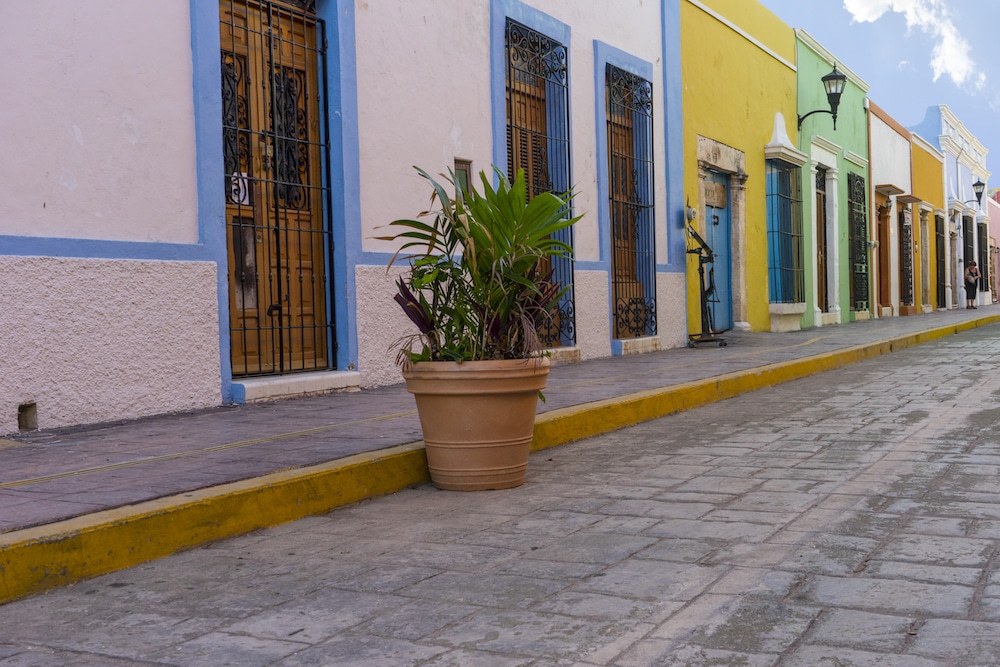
[583, 421]
[37, 559]
[40, 558]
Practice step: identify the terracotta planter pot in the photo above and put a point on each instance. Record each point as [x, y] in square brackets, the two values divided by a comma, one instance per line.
[477, 418]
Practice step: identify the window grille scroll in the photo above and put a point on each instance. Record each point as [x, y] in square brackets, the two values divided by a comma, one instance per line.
[537, 90]
[630, 190]
[858, 204]
[905, 258]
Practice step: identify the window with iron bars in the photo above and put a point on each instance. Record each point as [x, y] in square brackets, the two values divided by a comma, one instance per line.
[786, 279]
[984, 256]
[630, 191]
[537, 91]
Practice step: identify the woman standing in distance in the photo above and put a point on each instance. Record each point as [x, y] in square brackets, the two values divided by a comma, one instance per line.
[971, 284]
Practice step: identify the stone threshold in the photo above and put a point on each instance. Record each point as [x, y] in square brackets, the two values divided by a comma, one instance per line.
[251, 390]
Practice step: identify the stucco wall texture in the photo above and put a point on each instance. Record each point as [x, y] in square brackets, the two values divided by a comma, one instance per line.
[381, 324]
[593, 322]
[93, 340]
[100, 128]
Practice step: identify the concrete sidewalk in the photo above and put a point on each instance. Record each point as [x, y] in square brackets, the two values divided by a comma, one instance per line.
[79, 502]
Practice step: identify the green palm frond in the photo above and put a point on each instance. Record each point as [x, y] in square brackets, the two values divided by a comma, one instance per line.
[474, 268]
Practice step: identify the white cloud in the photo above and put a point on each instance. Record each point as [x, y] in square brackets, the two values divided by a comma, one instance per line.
[951, 55]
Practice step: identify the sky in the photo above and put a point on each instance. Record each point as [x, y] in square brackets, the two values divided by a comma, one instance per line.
[915, 54]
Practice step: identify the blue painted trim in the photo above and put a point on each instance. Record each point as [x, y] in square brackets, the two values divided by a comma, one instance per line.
[673, 135]
[584, 265]
[560, 161]
[604, 54]
[500, 11]
[207, 84]
[45, 246]
[498, 104]
[617, 347]
[344, 177]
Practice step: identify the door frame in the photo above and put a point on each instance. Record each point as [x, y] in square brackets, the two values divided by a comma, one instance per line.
[718, 235]
[718, 157]
[341, 116]
[275, 146]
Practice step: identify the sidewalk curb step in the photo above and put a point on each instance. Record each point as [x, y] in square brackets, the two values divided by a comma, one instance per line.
[36, 559]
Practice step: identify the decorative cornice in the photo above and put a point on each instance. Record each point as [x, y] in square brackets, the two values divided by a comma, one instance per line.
[780, 147]
[948, 114]
[854, 158]
[743, 33]
[892, 123]
[827, 145]
[823, 53]
[927, 146]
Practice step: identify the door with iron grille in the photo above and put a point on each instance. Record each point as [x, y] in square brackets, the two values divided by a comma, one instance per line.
[274, 152]
[823, 302]
[905, 257]
[857, 200]
[939, 261]
[630, 175]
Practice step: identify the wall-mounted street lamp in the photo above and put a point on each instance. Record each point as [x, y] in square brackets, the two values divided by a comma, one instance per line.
[977, 188]
[834, 83]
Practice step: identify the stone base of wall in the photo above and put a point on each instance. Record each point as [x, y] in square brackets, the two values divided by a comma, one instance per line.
[94, 340]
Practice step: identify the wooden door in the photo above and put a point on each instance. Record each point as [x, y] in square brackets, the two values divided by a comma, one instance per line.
[273, 155]
[718, 235]
[823, 302]
[884, 258]
[627, 287]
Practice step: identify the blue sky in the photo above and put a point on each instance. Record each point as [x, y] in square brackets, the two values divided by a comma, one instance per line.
[915, 54]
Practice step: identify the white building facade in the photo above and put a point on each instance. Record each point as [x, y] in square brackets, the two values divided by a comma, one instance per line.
[967, 219]
[891, 212]
[190, 214]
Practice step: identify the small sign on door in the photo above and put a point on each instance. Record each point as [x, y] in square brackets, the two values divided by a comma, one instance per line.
[239, 188]
[715, 194]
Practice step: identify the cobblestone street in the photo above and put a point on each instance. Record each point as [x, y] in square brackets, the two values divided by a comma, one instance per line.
[849, 518]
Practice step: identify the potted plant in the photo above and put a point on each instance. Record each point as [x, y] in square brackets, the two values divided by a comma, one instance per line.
[478, 288]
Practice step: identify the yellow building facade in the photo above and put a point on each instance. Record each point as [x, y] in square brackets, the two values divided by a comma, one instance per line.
[738, 63]
[929, 217]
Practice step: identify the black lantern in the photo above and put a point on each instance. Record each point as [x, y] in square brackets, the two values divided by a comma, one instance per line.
[978, 188]
[833, 83]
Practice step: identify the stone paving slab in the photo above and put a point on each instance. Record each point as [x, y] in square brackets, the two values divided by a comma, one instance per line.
[196, 477]
[884, 562]
[69, 472]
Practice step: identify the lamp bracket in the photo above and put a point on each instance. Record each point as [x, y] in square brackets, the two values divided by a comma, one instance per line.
[802, 118]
